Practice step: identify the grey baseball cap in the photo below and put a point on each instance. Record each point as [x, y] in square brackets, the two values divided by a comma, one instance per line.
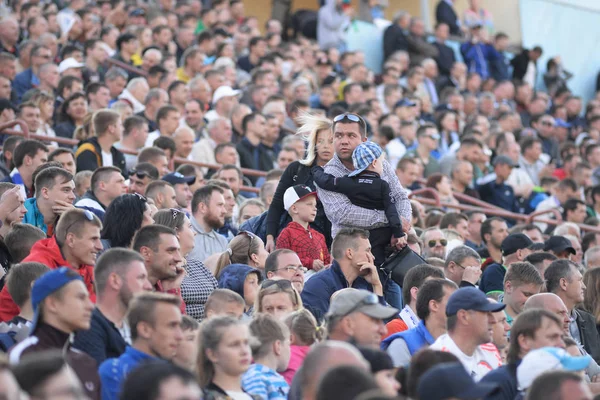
[350, 300]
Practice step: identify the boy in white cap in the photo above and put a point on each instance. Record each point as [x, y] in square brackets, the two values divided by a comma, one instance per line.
[301, 203]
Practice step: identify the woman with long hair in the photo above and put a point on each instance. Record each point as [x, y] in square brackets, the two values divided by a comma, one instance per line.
[199, 282]
[245, 248]
[318, 134]
[278, 298]
[442, 184]
[447, 124]
[45, 102]
[591, 299]
[224, 355]
[72, 114]
[125, 215]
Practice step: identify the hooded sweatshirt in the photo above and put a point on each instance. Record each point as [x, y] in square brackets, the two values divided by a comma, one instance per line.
[233, 277]
[331, 25]
[47, 252]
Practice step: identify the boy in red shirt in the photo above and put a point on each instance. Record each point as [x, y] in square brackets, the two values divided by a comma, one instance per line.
[301, 203]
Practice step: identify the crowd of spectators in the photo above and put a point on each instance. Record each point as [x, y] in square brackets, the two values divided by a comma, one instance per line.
[208, 202]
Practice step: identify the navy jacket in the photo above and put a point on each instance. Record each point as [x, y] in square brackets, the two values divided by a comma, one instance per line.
[23, 82]
[103, 340]
[445, 59]
[394, 39]
[499, 194]
[492, 279]
[318, 289]
[446, 14]
[506, 379]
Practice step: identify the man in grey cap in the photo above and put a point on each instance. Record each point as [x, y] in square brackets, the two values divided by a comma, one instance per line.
[356, 316]
[493, 188]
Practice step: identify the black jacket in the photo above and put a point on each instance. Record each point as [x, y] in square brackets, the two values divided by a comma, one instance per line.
[254, 157]
[103, 340]
[366, 190]
[88, 157]
[445, 58]
[520, 63]
[446, 14]
[590, 339]
[394, 39]
[296, 174]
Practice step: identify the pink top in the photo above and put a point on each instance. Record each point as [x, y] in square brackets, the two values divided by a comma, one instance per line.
[298, 354]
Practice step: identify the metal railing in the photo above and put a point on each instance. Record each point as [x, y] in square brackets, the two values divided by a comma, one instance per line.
[5, 129]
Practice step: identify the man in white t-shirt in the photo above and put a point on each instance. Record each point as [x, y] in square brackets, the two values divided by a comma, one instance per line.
[470, 323]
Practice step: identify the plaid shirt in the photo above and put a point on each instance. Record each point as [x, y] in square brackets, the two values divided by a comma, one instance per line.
[265, 383]
[343, 214]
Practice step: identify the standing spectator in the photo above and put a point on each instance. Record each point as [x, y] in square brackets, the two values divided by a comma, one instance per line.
[99, 151]
[444, 13]
[564, 279]
[155, 322]
[445, 58]
[525, 65]
[198, 282]
[395, 35]
[499, 64]
[333, 20]
[418, 47]
[469, 334]
[514, 248]
[119, 274]
[208, 210]
[476, 15]
[61, 306]
[477, 53]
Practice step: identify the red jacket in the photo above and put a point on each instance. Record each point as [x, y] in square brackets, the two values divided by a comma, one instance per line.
[46, 252]
[307, 243]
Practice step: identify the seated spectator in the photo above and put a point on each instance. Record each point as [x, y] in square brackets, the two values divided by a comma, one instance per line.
[72, 115]
[450, 380]
[167, 121]
[413, 280]
[233, 176]
[285, 264]
[271, 355]
[559, 246]
[157, 157]
[54, 196]
[278, 298]
[462, 178]
[159, 379]
[229, 229]
[198, 282]
[351, 261]
[27, 157]
[107, 184]
[192, 170]
[457, 222]
[154, 320]
[75, 244]
[493, 188]
[254, 130]
[243, 280]
[163, 194]
[21, 239]
[187, 351]
[427, 138]
[135, 133]
[166, 144]
[208, 211]
[467, 309]
[19, 282]
[219, 132]
[250, 208]
[514, 249]
[119, 275]
[224, 302]
[140, 177]
[522, 280]
[184, 138]
[304, 333]
[403, 345]
[434, 243]
[161, 252]
[13, 201]
[61, 307]
[83, 182]
[65, 157]
[183, 195]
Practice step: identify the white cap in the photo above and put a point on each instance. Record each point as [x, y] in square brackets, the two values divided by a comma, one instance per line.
[536, 362]
[224, 91]
[69, 63]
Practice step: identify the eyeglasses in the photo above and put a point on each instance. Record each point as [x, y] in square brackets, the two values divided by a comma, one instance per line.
[547, 123]
[294, 268]
[140, 174]
[352, 118]
[370, 300]
[251, 236]
[463, 267]
[432, 243]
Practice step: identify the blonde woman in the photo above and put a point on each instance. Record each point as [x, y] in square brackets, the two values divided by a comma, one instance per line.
[45, 102]
[317, 132]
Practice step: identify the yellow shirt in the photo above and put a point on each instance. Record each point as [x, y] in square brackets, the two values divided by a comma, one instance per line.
[182, 76]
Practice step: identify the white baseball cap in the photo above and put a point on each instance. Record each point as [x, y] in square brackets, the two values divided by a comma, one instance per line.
[536, 362]
[69, 63]
[224, 91]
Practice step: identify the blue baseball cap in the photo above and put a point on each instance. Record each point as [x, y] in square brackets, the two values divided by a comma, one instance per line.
[363, 155]
[451, 380]
[471, 298]
[536, 362]
[175, 178]
[47, 284]
[405, 102]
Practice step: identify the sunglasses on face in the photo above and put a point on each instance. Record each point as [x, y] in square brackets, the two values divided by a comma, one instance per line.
[351, 118]
[442, 242]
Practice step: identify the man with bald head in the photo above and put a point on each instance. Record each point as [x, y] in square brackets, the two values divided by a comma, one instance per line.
[319, 360]
[184, 141]
[552, 303]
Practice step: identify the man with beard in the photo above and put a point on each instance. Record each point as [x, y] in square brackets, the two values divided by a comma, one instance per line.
[208, 211]
[159, 247]
[493, 231]
[119, 274]
[434, 243]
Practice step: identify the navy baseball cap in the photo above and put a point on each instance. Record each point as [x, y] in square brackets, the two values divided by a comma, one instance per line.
[405, 103]
[451, 380]
[514, 242]
[47, 284]
[363, 155]
[471, 298]
[175, 178]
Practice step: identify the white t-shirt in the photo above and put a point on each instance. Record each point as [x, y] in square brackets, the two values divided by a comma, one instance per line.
[485, 358]
[107, 159]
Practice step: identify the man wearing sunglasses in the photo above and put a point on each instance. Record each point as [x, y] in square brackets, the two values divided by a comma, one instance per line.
[434, 243]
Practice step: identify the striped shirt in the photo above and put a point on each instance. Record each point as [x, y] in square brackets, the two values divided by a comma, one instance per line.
[265, 383]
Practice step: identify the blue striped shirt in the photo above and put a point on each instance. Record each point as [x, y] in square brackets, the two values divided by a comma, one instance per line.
[264, 382]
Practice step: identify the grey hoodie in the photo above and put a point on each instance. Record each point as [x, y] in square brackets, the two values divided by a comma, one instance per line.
[331, 25]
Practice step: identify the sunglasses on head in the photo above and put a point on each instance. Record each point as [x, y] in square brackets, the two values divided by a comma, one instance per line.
[140, 174]
[280, 283]
[251, 236]
[432, 243]
[352, 118]
[175, 212]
